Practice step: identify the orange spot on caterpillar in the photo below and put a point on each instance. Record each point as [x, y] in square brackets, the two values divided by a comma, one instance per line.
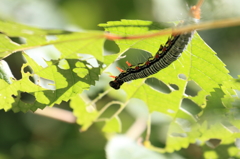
[164, 49]
[128, 63]
[121, 70]
[137, 67]
[147, 63]
[169, 42]
[157, 56]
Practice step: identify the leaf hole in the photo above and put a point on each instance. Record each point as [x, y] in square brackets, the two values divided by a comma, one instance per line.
[230, 127]
[43, 54]
[174, 87]
[182, 76]
[19, 40]
[190, 106]
[89, 59]
[27, 69]
[110, 47]
[31, 79]
[27, 98]
[158, 85]
[44, 83]
[15, 62]
[237, 143]
[213, 143]
[133, 56]
[192, 88]
[51, 37]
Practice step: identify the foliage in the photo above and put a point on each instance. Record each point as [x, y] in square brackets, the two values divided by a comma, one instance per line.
[214, 107]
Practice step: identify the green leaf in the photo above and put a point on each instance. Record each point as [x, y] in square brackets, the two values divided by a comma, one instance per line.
[113, 125]
[33, 36]
[60, 79]
[86, 114]
[63, 64]
[65, 76]
[135, 27]
[225, 150]
[199, 64]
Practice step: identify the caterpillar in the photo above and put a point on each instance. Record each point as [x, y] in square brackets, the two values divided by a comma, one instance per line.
[165, 55]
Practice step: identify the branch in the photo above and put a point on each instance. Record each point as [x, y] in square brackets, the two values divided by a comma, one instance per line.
[57, 113]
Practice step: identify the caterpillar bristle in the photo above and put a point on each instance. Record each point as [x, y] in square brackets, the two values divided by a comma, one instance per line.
[128, 63]
[112, 76]
[121, 70]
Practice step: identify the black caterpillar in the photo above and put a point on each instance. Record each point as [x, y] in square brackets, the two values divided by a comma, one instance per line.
[163, 58]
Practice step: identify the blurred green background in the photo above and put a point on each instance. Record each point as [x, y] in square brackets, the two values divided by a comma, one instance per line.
[26, 136]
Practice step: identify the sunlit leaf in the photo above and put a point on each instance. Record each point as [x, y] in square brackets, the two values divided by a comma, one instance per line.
[198, 63]
[86, 114]
[112, 126]
[60, 79]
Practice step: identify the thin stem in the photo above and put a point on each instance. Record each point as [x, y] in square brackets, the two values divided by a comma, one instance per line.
[137, 128]
[57, 113]
[199, 4]
[200, 26]
[54, 42]
[122, 106]
[101, 119]
[148, 133]
[99, 97]
[105, 108]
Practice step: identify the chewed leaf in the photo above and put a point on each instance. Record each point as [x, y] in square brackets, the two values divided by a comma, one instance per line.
[63, 64]
[30, 37]
[60, 78]
[133, 27]
[64, 76]
[199, 64]
[53, 84]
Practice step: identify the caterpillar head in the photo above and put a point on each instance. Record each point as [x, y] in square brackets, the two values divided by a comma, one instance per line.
[116, 84]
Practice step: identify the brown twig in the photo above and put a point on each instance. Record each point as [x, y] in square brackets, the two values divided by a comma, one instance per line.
[57, 113]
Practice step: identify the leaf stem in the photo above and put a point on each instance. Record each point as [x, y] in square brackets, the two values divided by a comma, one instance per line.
[99, 97]
[200, 26]
[105, 108]
[148, 133]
